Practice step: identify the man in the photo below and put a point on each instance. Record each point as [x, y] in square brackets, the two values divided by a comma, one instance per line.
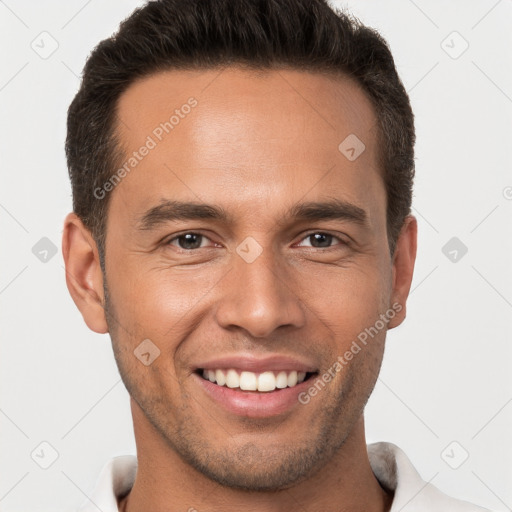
[242, 177]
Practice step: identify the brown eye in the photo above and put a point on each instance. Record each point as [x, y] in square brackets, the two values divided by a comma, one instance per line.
[188, 241]
[320, 240]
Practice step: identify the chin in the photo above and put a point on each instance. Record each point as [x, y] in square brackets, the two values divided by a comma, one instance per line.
[257, 467]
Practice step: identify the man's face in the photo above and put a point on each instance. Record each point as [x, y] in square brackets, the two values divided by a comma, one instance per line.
[283, 271]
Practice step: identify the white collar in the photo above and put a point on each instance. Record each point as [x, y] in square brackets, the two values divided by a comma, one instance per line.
[389, 463]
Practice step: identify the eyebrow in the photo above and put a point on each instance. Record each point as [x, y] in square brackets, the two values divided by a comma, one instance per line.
[169, 211]
[333, 209]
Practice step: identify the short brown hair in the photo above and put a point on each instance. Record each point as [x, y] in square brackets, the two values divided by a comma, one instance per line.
[261, 34]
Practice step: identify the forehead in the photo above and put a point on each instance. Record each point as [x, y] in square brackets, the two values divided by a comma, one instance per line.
[270, 100]
[260, 133]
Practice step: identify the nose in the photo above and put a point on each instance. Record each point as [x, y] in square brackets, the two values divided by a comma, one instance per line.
[259, 297]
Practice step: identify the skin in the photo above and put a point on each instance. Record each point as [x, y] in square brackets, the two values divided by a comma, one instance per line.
[255, 145]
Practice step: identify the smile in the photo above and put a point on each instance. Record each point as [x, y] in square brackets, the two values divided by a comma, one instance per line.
[265, 381]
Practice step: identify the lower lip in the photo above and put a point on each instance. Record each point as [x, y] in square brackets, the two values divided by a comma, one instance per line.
[254, 404]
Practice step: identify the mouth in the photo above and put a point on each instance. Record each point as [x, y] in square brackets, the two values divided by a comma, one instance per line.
[255, 387]
[260, 382]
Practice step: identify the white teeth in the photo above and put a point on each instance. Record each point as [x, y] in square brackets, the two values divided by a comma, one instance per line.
[232, 379]
[281, 380]
[220, 377]
[249, 381]
[266, 381]
[292, 379]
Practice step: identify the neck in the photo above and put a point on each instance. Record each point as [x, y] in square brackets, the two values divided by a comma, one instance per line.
[165, 482]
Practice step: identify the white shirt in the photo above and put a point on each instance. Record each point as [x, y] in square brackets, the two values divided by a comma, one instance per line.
[389, 463]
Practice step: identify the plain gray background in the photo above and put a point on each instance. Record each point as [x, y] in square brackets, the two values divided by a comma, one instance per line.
[445, 392]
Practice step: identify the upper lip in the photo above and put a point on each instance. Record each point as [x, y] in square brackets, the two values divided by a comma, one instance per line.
[258, 364]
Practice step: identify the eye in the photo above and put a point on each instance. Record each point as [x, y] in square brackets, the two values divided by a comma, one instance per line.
[189, 241]
[320, 240]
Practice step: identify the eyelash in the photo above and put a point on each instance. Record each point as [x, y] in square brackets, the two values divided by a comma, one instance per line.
[335, 237]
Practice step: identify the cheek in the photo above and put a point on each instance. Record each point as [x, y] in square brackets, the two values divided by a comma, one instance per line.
[160, 298]
[164, 303]
[347, 298]
[144, 344]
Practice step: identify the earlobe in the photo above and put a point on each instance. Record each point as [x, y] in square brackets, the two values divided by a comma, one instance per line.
[403, 268]
[84, 277]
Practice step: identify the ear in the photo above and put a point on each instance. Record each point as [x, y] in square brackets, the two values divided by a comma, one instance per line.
[84, 277]
[403, 268]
